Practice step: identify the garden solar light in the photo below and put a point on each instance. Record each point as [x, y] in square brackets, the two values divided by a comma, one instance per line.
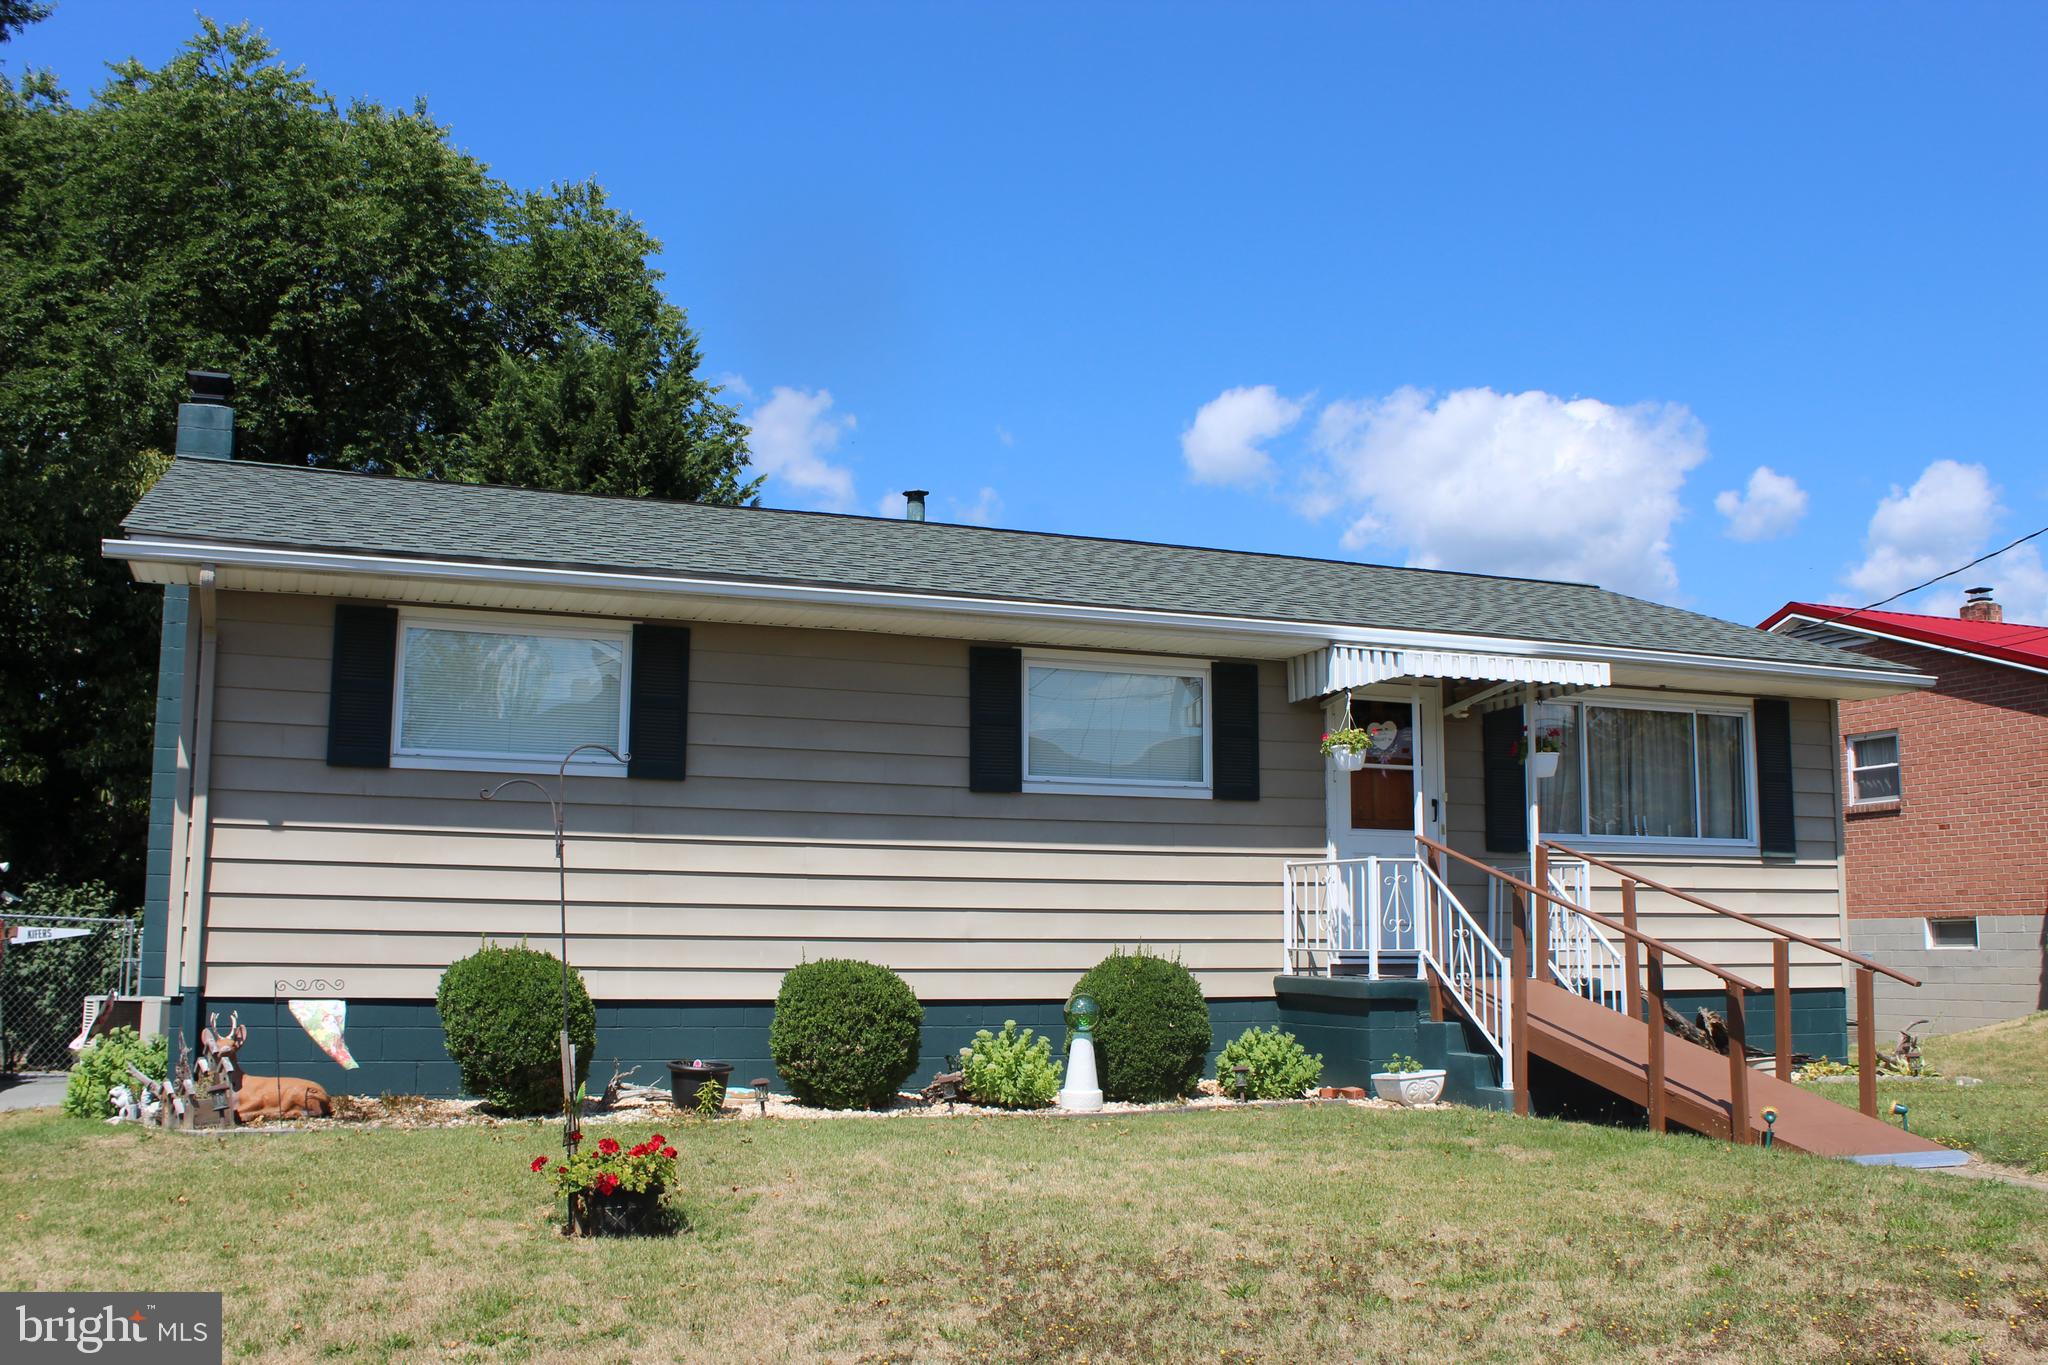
[1770, 1123]
[1243, 1075]
[761, 1092]
[1900, 1109]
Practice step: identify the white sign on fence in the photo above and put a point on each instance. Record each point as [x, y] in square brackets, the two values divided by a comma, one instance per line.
[42, 933]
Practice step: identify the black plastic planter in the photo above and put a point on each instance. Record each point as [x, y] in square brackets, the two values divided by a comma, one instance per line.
[685, 1078]
[623, 1213]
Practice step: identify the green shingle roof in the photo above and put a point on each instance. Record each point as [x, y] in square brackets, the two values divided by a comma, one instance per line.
[274, 505]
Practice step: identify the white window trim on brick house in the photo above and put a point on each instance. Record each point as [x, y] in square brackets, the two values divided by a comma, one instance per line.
[1898, 765]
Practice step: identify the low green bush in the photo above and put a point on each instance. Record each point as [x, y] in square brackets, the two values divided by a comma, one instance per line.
[103, 1064]
[1281, 1068]
[1011, 1069]
[845, 1033]
[501, 1009]
[1153, 1032]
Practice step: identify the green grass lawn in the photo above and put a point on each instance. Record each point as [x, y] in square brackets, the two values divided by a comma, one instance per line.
[1304, 1233]
[2004, 1120]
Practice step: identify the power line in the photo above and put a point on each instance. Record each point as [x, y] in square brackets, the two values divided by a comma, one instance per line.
[1907, 592]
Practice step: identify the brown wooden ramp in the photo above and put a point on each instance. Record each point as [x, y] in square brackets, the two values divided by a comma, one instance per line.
[1611, 1050]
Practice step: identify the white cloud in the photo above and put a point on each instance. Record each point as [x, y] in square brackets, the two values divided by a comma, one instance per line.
[1006, 436]
[1946, 519]
[1943, 520]
[983, 511]
[1771, 506]
[1225, 442]
[2019, 582]
[1525, 484]
[792, 433]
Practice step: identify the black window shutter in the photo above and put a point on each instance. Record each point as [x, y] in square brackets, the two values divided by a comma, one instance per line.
[1235, 731]
[995, 719]
[659, 729]
[1776, 830]
[1500, 765]
[359, 687]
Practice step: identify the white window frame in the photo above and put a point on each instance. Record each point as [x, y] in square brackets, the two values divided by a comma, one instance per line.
[1121, 663]
[484, 761]
[1856, 797]
[1665, 843]
[1976, 933]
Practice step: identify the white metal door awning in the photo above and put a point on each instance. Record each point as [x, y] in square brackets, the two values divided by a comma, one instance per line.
[1338, 668]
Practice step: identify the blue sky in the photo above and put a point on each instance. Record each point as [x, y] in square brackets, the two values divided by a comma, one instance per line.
[1521, 289]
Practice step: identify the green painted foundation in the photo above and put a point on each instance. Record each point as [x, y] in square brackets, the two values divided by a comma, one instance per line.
[1358, 1026]
[399, 1044]
[1820, 1018]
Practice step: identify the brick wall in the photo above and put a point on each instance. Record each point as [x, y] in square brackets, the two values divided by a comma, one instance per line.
[1969, 833]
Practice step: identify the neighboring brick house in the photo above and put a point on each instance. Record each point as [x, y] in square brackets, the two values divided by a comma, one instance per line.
[1946, 809]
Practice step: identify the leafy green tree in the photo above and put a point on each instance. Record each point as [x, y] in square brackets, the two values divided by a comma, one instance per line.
[383, 303]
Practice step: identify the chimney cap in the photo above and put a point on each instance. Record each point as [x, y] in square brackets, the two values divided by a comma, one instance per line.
[1979, 593]
[210, 386]
[913, 503]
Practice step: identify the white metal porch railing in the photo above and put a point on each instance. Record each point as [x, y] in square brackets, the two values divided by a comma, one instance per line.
[1397, 917]
[1583, 959]
[1351, 912]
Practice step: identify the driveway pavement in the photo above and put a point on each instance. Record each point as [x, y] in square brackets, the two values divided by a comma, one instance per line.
[32, 1090]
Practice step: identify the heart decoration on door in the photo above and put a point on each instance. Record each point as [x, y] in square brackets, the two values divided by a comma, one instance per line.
[1383, 733]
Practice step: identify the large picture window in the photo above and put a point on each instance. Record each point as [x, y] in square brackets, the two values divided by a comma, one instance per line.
[1648, 773]
[1116, 726]
[481, 694]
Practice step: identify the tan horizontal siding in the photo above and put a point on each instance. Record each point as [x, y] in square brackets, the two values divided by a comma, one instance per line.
[826, 813]
[1801, 894]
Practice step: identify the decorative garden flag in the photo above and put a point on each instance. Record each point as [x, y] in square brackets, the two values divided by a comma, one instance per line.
[323, 1021]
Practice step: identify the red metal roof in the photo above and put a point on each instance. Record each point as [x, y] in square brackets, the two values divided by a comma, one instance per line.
[2013, 642]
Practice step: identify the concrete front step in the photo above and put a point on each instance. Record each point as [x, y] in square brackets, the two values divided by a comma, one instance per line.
[1358, 1025]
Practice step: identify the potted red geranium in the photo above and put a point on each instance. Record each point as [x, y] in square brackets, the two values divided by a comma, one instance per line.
[613, 1191]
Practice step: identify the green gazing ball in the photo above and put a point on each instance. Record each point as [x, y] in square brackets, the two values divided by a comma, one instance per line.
[1081, 1013]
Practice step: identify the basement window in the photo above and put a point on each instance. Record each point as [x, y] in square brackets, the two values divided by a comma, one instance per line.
[1952, 931]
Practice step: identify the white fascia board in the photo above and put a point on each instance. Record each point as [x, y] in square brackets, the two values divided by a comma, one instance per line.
[193, 554]
[1796, 620]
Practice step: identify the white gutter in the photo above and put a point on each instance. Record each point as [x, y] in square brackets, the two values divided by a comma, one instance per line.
[1844, 626]
[188, 552]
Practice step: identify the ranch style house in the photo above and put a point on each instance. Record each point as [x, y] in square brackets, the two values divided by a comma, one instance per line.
[984, 758]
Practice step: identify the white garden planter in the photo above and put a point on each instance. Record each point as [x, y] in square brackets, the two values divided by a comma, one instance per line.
[1544, 765]
[1409, 1087]
[1347, 760]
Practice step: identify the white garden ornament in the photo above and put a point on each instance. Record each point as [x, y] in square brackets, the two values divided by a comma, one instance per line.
[1082, 1093]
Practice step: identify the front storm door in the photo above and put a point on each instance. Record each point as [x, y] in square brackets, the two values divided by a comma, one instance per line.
[1372, 815]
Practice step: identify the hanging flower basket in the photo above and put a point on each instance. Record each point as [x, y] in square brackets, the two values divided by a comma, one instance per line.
[1346, 748]
[1544, 764]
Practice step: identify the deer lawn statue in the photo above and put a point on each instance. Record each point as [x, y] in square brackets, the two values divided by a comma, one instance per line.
[261, 1097]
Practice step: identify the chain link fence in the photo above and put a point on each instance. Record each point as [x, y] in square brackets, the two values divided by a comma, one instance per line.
[52, 964]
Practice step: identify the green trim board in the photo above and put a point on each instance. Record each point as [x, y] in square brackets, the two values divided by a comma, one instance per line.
[163, 783]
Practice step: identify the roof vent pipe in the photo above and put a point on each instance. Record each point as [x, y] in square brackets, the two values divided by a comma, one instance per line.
[1980, 607]
[206, 424]
[913, 503]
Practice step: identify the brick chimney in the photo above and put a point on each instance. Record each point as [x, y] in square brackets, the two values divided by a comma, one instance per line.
[1980, 607]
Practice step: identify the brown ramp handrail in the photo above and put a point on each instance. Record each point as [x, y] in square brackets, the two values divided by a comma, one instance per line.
[1531, 944]
[1781, 971]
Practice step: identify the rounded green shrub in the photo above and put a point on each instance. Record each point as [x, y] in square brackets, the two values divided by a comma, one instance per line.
[501, 1009]
[103, 1064]
[1153, 1032]
[845, 1033]
[1011, 1069]
[1281, 1068]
